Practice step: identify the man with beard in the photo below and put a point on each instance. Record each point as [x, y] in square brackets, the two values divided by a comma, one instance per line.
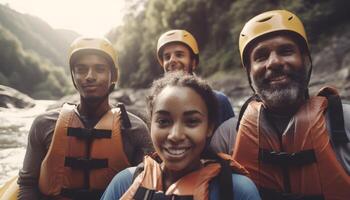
[294, 146]
[74, 152]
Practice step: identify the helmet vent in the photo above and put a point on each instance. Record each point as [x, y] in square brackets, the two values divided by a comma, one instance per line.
[265, 19]
[242, 35]
[290, 18]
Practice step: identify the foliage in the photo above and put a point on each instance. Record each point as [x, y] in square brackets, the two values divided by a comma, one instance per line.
[26, 72]
[33, 55]
[215, 24]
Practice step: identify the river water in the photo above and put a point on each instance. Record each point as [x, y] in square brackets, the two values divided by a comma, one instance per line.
[14, 128]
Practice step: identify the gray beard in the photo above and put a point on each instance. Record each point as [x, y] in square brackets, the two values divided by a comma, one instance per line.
[280, 97]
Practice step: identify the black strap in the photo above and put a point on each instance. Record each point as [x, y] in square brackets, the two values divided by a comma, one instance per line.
[139, 169]
[225, 180]
[244, 107]
[78, 194]
[124, 116]
[147, 194]
[335, 111]
[85, 163]
[87, 134]
[275, 195]
[283, 158]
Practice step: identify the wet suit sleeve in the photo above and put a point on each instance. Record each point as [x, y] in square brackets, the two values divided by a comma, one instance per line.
[137, 141]
[225, 107]
[39, 139]
[224, 137]
[119, 184]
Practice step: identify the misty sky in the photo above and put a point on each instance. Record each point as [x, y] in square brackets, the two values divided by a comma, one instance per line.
[87, 17]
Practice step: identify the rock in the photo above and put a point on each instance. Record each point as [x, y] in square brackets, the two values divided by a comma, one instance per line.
[11, 98]
[74, 99]
[335, 54]
[121, 96]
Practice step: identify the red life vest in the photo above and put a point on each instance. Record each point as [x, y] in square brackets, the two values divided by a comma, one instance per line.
[301, 164]
[81, 159]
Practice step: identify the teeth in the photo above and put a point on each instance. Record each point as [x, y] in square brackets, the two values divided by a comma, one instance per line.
[176, 151]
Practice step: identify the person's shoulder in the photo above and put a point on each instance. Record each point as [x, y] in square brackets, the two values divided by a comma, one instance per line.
[230, 121]
[50, 116]
[244, 187]
[222, 98]
[219, 94]
[119, 184]
[136, 121]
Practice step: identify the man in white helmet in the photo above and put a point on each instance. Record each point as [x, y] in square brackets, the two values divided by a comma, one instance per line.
[75, 151]
[293, 145]
[178, 50]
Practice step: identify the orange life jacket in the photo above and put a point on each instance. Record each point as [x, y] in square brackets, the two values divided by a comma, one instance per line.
[300, 164]
[193, 185]
[82, 161]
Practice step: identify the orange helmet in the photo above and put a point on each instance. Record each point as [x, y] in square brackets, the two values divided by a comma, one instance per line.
[181, 36]
[100, 45]
[266, 23]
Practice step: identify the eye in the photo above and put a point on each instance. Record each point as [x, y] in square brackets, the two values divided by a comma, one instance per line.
[192, 121]
[163, 122]
[179, 55]
[101, 68]
[260, 55]
[80, 69]
[286, 51]
[166, 56]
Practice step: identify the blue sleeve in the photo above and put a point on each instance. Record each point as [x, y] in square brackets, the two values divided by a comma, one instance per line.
[243, 188]
[225, 107]
[119, 184]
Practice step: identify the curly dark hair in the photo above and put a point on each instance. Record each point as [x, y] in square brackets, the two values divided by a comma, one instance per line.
[183, 79]
[204, 90]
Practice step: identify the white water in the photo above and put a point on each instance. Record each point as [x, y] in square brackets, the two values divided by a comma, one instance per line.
[14, 128]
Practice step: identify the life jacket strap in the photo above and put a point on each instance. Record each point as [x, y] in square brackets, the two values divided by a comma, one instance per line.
[335, 110]
[147, 194]
[267, 193]
[285, 159]
[124, 115]
[78, 194]
[85, 163]
[87, 134]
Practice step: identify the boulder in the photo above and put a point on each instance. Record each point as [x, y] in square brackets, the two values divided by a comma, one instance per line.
[11, 98]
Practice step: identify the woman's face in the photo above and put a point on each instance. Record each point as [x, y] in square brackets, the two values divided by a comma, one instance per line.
[179, 127]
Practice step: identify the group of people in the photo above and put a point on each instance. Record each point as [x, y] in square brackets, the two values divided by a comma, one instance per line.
[284, 144]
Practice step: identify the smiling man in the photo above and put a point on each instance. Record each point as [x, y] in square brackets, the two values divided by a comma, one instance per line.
[177, 50]
[75, 151]
[293, 145]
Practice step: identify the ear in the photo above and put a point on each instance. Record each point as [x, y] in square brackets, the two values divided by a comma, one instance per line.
[210, 131]
[307, 61]
[194, 64]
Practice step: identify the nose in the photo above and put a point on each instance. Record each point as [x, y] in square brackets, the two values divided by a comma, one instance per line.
[172, 59]
[176, 133]
[90, 75]
[274, 61]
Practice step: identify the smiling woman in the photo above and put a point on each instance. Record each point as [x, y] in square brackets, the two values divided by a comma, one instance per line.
[183, 109]
[94, 17]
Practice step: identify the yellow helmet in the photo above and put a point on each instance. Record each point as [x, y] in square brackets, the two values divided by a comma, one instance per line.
[268, 22]
[182, 36]
[94, 44]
